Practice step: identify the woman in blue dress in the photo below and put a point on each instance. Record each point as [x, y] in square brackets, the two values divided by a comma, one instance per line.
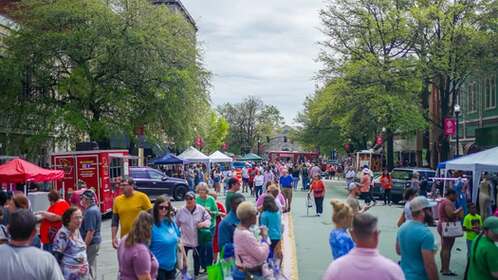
[340, 241]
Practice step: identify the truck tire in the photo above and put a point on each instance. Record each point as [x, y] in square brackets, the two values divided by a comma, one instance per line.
[179, 192]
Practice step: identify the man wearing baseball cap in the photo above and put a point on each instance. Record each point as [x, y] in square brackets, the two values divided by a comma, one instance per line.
[415, 242]
[483, 263]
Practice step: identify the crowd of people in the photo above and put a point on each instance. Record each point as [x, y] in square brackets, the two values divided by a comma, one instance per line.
[354, 239]
[155, 240]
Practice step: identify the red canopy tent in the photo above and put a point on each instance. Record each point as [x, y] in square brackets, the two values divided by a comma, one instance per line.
[18, 171]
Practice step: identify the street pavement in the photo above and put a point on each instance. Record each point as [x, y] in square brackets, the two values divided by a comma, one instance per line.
[312, 234]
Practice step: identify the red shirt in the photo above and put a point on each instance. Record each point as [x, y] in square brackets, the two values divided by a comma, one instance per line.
[46, 226]
[386, 182]
[318, 188]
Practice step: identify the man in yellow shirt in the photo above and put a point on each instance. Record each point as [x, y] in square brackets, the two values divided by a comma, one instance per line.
[126, 208]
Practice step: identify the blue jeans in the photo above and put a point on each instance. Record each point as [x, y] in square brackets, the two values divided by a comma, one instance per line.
[258, 191]
[306, 183]
[295, 182]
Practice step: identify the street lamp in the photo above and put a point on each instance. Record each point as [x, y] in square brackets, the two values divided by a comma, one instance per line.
[457, 110]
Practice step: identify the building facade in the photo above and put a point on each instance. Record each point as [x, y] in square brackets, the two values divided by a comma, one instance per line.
[478, 120]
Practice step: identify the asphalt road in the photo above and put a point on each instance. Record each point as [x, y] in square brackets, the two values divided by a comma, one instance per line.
[312, 234]
[311, 237]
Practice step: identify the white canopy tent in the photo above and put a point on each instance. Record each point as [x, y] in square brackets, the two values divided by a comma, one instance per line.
[219, 157]
[485, 161]
[193, 155]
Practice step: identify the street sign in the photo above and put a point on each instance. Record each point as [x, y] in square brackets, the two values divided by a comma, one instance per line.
[449, 126]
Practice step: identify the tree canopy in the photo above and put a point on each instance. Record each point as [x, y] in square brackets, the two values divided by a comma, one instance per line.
[94, 68]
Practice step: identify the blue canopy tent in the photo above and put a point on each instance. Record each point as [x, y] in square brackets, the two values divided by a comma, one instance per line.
[169, 158]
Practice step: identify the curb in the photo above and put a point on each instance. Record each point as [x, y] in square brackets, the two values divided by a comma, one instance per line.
[289, 263]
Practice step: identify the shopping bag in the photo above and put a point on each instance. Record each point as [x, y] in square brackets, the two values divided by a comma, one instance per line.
[215, 271]
[452, 229]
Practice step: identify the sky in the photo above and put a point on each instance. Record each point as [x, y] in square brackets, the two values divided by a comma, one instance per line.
[266, 49]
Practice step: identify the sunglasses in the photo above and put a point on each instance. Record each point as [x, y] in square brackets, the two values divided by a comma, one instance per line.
[163, 207]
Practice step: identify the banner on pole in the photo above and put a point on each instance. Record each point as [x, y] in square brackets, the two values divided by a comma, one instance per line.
[449, 126]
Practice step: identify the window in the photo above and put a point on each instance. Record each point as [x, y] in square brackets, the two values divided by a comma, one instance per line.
[155, 175]
[490, 92]
[138, 174]
[472, 97]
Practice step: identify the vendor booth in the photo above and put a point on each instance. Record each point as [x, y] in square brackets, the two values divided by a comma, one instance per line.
[167, 159]
[485, 161]
[18, 171]
[218, 156]
[192, 155]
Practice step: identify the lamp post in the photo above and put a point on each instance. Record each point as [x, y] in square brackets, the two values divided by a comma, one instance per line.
[457, 110]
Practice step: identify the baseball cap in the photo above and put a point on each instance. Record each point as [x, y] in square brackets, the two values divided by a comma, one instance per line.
[88, 194]
[190, 194]
[491, 223]
[421, 202]
[366, 170]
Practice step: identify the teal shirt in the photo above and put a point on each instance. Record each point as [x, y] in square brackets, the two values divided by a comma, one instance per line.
[413, 237]
[273, 221]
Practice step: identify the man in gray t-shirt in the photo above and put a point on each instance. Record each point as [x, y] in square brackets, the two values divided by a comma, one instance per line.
[20, 260]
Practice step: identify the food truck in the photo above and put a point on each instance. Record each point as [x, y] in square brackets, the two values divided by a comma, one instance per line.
[99, 170]
[369, 158]
[294, 156]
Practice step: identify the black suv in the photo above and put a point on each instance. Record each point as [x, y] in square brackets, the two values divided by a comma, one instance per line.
[402, 180]
[155, 183]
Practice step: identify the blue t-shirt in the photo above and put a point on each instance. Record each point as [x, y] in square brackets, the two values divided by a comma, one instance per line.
[273, 221]
[226, 229]
[413, 237]
[164, 242]
[286, 181]
[340, 242]
[92, 221]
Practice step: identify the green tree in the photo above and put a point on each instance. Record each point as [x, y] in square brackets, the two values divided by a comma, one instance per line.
[101, 67]
[217, 132]
[250, 121]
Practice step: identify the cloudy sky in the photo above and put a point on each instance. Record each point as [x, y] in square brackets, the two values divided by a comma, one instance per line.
[261, 48]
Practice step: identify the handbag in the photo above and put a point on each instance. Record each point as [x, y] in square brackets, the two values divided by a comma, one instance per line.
[452, 229]
[204, 236]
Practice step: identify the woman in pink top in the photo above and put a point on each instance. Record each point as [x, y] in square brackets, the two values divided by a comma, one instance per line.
[136, 261]
[251, 247]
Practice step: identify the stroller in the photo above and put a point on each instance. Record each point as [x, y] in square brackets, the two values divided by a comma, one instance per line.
[309, 204]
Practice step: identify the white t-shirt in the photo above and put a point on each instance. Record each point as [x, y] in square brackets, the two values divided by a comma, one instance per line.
[28, 263]
[259, 180]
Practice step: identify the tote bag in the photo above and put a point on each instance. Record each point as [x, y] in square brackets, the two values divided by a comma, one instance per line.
[452, 229]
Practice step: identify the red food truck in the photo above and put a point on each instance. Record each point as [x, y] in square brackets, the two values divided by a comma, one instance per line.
[98, 169]
[294, 156]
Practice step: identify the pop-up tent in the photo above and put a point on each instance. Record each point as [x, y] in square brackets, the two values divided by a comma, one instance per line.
[168, 158]
[219, 157]
[251, 157]
[193, 155]
[485, 161]
[18, 171]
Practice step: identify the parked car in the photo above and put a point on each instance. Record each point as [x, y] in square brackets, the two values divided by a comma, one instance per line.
[402, 180]
[154, 183]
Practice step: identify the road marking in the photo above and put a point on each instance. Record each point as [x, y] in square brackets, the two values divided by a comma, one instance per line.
[289, 263]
